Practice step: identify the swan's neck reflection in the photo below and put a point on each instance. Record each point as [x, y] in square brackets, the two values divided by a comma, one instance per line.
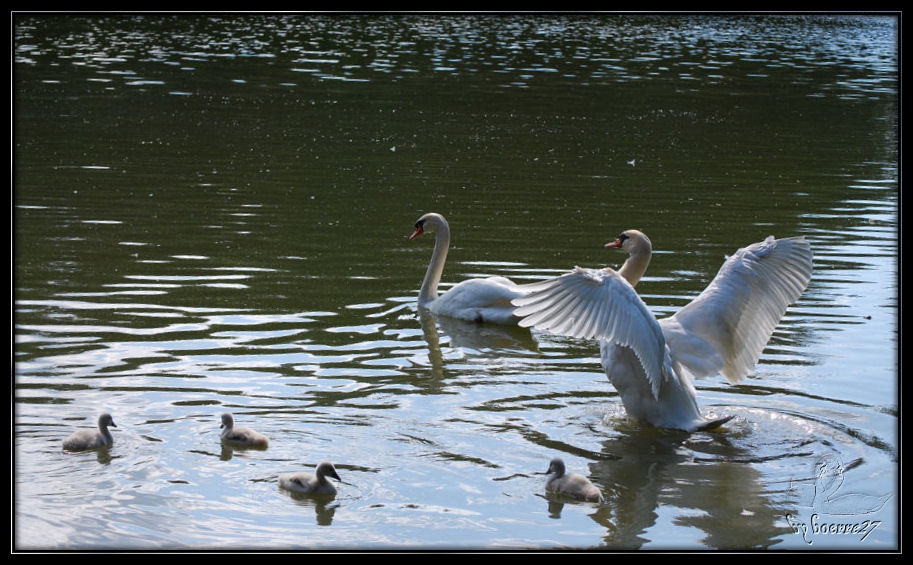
[469, 336]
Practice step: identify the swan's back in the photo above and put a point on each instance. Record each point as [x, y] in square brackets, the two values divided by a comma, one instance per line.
[480, 300]
[307, 483]
[727, 326]
[575, 486]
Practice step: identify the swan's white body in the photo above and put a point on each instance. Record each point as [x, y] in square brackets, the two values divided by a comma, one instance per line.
[306, 483]
[475, 300]
[82, 440]
[240, 436]
[651, 362]
[570, 484]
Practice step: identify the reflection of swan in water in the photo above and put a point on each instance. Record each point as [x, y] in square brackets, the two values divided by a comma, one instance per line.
[651, 362]
[475, 300]
[469, 335]
[824, 495]
[652, 478]
[473, 336]
[324, 506]
[726, 488]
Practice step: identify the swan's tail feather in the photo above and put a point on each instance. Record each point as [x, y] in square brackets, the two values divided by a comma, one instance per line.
[713, 424]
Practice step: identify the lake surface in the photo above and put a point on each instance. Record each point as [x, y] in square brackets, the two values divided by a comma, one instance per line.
[211, 214]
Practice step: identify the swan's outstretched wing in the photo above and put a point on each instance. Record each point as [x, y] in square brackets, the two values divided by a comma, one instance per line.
[597, 304]
[727, 326]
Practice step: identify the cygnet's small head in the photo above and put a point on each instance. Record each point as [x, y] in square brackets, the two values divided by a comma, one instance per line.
[326, 469]
[430, 223]
[106, 420]
[631, 241]
[228, 421]
[556, 467]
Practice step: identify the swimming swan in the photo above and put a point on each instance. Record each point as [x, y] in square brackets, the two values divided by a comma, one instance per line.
[240, 436]
[306, 483]
[82, 440]
[570, 484]
[651, 362]
[475, 300]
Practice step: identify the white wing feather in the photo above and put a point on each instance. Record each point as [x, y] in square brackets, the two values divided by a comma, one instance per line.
[727, 326]
[597, 304]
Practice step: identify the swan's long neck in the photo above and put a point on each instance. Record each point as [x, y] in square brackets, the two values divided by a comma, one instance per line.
[636, 264]
[436, 267]
[103, 427]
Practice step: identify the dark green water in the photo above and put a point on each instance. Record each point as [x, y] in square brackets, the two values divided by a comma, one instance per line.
[210, 214]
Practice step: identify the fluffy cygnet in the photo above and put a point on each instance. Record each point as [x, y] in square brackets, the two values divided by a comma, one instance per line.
[571, 484]
[306, 483]
[91, 439]
[241, 436]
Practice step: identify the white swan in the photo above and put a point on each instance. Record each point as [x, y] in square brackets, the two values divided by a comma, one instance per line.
[570, 484]
[306, 483]
[240, 436]
[475, 300]
[82, 440]
[651, 362]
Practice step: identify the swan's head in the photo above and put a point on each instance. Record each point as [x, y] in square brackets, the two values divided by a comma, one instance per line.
[556, 467]
[632, 241]
[430, 222]
[228, 421]
[326, 469]
[106, 420]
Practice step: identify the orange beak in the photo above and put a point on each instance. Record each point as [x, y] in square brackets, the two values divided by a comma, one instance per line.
[616, 243]
[418, 232]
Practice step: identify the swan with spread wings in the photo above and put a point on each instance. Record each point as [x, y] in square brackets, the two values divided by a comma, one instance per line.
[651, 362]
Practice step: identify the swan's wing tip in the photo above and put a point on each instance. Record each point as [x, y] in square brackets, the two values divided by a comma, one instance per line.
[736, 314]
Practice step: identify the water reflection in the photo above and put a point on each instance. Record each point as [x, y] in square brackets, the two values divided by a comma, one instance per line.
[324, 507]
[472, 338]
[649, 473]
[102, 455]
[657, 472]
[228, 451]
